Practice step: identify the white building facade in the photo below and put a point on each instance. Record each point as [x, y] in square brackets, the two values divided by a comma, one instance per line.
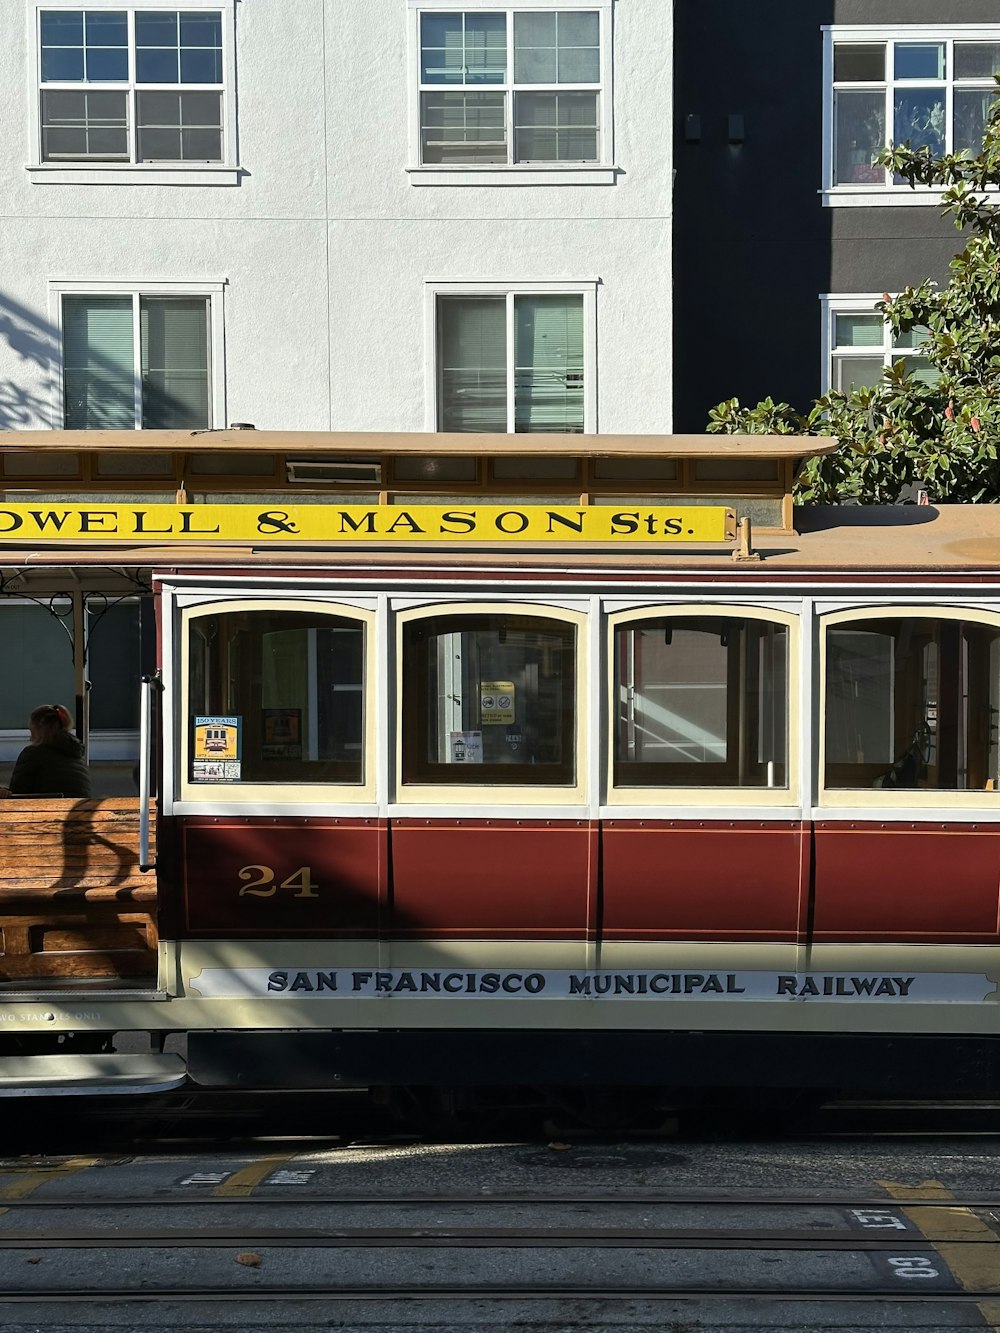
[399, 215]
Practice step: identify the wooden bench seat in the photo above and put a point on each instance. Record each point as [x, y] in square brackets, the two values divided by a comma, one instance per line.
[73, 902]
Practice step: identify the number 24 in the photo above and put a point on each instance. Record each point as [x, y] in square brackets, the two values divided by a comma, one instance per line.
[263, 886]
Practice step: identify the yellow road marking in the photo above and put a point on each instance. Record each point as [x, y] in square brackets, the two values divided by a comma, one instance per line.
[28, 1180]
[243, 1183]
[976, 1268]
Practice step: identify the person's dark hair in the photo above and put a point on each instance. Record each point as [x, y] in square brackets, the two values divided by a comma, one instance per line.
[51, 718]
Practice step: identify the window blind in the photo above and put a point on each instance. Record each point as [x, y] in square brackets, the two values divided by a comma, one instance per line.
[558, 47]
[472, 341]
[175, 369]
[463, 48]
[98, 363]
[555, 127]
[548, 363]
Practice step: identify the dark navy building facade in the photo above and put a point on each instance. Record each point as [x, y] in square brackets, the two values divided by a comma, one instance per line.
[785, 233]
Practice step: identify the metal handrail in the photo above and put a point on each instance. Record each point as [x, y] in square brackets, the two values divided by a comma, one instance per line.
[149, 684]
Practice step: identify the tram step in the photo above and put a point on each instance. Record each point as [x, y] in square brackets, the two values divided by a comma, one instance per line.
[89, 1075]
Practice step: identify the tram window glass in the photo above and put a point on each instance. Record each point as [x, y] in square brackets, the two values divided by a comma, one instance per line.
[431, 468]
[912, 702]
[121, 647]
[535, 469]
[737, 469]
[701, 702]
[294, 683]
[36, 664]
[489, 699]
[635, 469]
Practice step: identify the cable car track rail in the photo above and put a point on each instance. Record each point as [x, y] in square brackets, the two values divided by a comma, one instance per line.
[450, 1238]
[622, 1293]
[637, 1199]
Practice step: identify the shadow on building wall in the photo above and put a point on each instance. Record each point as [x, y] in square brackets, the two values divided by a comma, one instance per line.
[32, 401]
[35, 345]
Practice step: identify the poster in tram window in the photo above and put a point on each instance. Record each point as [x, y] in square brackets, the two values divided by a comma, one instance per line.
[465, 747]
[282, 733]
[496, 703]
[216, 751]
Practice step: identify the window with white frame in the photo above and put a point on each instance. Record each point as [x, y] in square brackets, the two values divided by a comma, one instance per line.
[860, 345]
[927, 87]
[139, 360]
[513, 361]
[125, 86]
[512, 87]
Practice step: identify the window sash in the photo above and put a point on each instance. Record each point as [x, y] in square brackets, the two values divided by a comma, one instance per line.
[175, 362]
[936, 112]
[196, 138]
[701, 702]
[472, 358]
[296, 680]
[84, 124]
[98, 363]
[489, 699]
[908, 701]
[574, 136]
[548, 364]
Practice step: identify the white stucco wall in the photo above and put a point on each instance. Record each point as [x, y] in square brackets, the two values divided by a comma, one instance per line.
[325, 245]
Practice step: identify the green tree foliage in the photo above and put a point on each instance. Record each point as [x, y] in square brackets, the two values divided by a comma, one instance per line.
[904, 433]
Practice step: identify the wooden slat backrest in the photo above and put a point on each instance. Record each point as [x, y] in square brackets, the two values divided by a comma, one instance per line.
[59, 847]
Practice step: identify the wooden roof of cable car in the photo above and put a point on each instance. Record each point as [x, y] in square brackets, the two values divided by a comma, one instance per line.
[953, 538]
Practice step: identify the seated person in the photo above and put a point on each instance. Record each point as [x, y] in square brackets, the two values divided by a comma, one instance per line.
[52, 764]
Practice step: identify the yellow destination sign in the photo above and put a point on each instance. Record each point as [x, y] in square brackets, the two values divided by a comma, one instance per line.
[157, 524]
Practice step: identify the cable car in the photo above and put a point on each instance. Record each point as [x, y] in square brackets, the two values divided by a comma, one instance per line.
[508, 762]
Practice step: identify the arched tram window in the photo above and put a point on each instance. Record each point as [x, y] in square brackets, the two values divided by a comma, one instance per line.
[912, 703]
[701, 701]
[489, 699]
[276, 696]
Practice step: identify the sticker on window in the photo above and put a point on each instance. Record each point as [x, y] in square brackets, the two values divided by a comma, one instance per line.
[217, 749]
[465, 747]
[282, 733]
[496, 702]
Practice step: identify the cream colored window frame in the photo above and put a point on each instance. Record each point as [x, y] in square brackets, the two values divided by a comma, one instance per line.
[266, 793]
[489, 794]
[881, 799]
[708, 796]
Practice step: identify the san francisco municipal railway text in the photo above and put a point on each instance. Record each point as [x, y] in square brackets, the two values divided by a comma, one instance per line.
[580, 983]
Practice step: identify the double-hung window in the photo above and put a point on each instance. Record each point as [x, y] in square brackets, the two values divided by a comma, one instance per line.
[525, 88]
[133, 87]
[516, 360]
[859, 345]
[138, 358]
[913, 84]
